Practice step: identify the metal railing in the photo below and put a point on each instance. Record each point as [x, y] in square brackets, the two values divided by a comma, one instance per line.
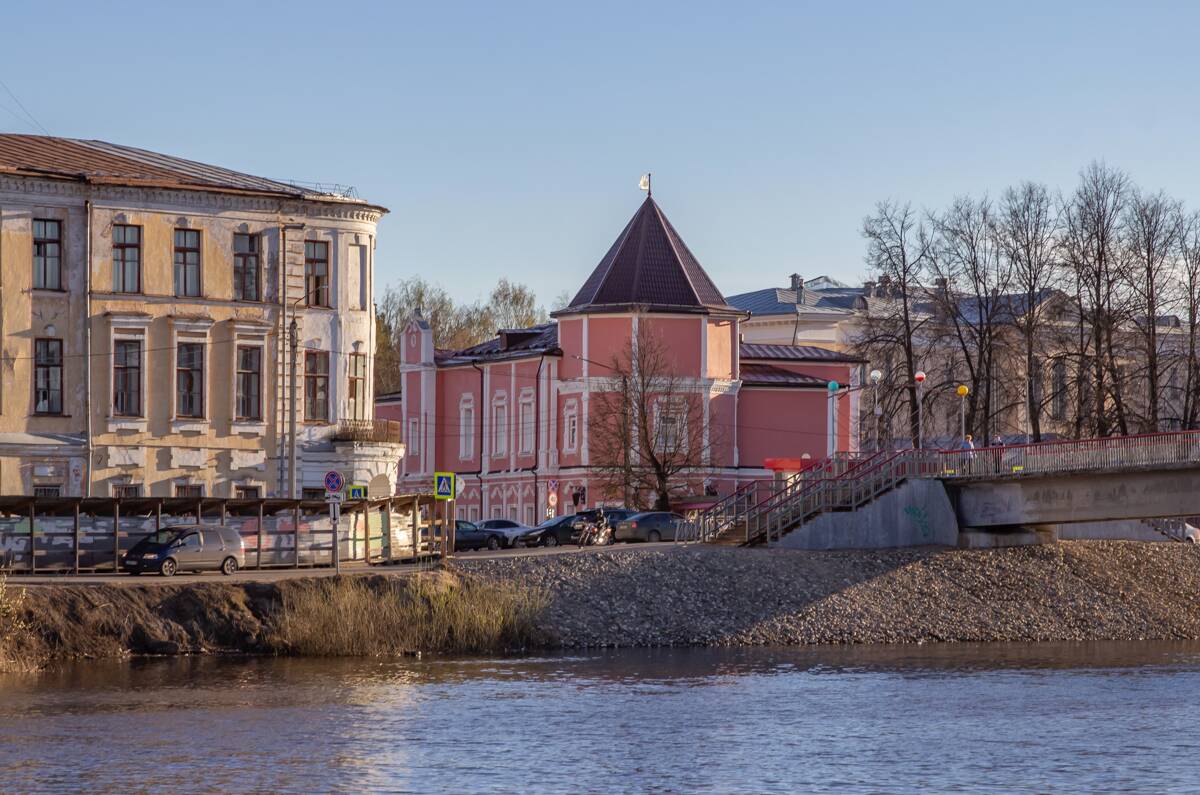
[857, 480]
[368, 431]
[1111, 453]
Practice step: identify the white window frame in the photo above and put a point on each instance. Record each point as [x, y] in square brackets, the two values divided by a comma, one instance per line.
[571, 427]
[466, 427]
[127, 328]
[528, 427]
[413, 439]
[192, 331]
[678, 410]
[499, 427]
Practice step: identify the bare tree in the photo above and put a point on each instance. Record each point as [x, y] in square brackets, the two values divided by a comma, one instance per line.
[1189, 277]
[899, 248]
[1152, 235]
[1091, 244]
[1027, 225]
[647, 429]
[971, 281]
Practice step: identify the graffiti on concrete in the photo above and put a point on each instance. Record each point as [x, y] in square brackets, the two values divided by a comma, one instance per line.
[920, 519]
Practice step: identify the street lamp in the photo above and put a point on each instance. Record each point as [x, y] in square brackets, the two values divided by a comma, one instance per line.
[919, 377]
[876, 376]
[962, 391]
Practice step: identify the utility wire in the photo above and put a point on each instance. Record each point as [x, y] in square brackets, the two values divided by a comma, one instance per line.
[21, 105]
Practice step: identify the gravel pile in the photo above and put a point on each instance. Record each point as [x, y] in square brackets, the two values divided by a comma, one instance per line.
[717, 596]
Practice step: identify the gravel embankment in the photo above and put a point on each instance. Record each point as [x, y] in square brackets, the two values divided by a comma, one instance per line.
[722, 597]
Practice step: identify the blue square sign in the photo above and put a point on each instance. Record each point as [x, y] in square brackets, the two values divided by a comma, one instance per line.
[443, 485]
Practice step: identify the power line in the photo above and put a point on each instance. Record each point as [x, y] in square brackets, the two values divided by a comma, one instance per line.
[21, 105]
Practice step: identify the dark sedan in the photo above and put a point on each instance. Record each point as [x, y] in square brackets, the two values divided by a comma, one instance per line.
[468, 535]
[649, 526]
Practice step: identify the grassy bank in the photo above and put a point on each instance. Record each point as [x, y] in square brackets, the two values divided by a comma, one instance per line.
[438, 612]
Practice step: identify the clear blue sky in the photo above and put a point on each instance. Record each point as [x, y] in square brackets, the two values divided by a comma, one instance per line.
[507, 138]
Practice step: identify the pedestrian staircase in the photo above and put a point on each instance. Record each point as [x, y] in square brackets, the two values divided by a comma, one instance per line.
[765, 509]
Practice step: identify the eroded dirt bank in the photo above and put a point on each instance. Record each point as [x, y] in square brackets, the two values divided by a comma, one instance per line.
[630, 597]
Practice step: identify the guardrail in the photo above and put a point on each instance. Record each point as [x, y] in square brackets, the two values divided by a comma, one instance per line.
[1111, 453]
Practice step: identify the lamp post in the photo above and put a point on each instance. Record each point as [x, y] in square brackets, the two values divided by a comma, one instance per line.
[962, 391]
[919, 377]
[833, 387]
[876, 376]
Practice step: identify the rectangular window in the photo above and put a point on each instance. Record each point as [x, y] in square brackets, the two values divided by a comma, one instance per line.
[357, 395]
[247, 492]
[246, 276]
[1058, 404]
[530, 516]
[189, 380]
[527, 426]
[316, 273]
[316, 386]
[127, 258]
[129, 490]
[499, 430]
[312, 494]
[414, 436]
[48, 375]
[47, 254]
[466, 431]
[188, 490]
[47, 491]
[249, 383]
[669, 430]
[571, 433]
[127, 378]
[187, 262]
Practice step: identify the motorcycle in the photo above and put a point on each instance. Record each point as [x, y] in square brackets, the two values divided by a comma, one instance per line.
[597, 533]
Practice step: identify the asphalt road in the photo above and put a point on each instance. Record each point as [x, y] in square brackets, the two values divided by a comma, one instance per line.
[275, 575]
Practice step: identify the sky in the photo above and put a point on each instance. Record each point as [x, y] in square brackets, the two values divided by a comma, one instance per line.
[507, 138]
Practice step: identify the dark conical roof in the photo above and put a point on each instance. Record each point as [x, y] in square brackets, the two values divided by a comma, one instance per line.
[649, 265]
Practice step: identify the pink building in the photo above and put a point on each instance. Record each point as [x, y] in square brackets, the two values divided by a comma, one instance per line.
[511, 416]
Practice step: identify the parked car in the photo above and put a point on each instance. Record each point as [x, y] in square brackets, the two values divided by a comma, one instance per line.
[187, 548]
[649, 526]
[468, 535]
[510, 531]
[566, 529]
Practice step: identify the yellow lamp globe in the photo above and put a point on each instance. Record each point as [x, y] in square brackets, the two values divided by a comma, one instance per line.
[962, 390]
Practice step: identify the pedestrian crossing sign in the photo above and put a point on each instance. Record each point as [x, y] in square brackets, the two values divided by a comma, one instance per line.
[443, 485]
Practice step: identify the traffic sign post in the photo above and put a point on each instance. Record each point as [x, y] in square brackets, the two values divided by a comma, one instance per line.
[356, 492]
[335, 514]
[334, 481]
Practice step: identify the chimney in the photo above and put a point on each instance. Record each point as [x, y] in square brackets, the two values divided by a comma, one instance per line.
[797, 282]
[869, 289]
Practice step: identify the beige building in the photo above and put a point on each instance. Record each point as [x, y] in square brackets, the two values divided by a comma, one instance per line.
[144, 317]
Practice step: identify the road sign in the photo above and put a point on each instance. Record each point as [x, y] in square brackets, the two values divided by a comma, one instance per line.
[443, 485]
[552, 485]
[334, 481]
[357, 492]
[552, 498]
[335, 507]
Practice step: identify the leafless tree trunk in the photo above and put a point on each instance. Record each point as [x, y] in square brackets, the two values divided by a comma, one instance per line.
[1028, 227]
[1189, 275]
[898, 251]
[646, 428]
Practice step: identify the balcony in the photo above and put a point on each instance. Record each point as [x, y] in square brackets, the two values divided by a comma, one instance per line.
[387, 431]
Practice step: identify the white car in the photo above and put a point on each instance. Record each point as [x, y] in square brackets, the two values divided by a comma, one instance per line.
[506, 527]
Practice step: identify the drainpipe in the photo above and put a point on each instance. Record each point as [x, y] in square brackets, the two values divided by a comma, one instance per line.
[479, 472]
[537, 432]
[87, 347]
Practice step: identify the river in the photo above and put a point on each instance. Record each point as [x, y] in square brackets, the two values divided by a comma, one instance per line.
[1104, 717]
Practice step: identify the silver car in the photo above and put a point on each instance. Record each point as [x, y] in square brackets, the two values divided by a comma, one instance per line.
[187, 548]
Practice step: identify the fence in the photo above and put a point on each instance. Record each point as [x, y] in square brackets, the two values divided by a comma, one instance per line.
[73, 535]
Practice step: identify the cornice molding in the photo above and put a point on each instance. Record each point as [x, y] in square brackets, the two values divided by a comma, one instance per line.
[201, 199]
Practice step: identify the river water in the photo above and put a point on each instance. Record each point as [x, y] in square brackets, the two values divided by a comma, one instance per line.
[1072, 718]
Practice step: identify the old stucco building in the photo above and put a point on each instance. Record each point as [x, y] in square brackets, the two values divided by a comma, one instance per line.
[144, 315]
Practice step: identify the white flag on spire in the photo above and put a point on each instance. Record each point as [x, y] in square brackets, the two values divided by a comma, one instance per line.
[644, 182]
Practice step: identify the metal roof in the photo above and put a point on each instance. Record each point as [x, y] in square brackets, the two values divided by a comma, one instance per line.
[648, 265]
[793, 353]
[531, 341]
[103, 163]
[770, 375]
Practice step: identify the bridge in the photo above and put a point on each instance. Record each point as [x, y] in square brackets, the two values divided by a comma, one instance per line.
[899, 498]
